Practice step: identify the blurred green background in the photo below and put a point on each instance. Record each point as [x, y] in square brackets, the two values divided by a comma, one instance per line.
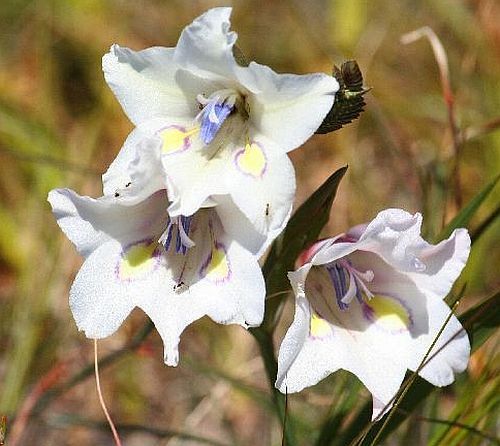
[60, 126]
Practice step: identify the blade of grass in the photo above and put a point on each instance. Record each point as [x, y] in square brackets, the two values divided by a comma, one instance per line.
[463, 218]
[485, 225]
[470, 429]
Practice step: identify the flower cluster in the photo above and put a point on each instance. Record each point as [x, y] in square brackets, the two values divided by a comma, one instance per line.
[201, 188]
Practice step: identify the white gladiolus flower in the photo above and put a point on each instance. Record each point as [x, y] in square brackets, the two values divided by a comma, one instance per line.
[225, 129]
[371, 302]
[177, 269]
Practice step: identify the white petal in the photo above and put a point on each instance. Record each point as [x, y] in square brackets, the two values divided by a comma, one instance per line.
[149, 84]
[118, 174]
[240, 299]
[394, 235]
[98, 300]
[205, 47]
[443, 263]
[79, 229]
[332, 250]
[144, 173]
[89, 222]
[238, 227]
[451, 359]
[261, 181]
[288, 108]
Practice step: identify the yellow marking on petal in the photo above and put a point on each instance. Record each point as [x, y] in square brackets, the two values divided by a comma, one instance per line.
[138, 261]
[319, 327]
[252, 160]
[389, 314]
[218, 268]
[176, 138]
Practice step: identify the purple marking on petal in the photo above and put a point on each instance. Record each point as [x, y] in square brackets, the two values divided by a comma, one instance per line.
[209, 126]
[204, 267]
[343, 281]
[368, 312]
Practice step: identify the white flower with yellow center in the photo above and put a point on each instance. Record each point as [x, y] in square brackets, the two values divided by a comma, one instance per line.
[225, 129]
[371, 302]
[177, 269]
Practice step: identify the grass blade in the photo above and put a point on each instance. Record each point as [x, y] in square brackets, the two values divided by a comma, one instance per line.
[463, 218]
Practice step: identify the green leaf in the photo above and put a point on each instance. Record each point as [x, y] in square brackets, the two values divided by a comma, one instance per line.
[302, 229]
[349, 100]
[485, 225]
[463, 218]
[480, 322]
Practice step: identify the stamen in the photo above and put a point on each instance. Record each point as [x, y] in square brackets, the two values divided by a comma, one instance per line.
[359, 296]
[333, 271]
[352, 291]
[182, 241]
[215, 111]
[344, 292]
[166, 237]
[183, 227]
[212, 115]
